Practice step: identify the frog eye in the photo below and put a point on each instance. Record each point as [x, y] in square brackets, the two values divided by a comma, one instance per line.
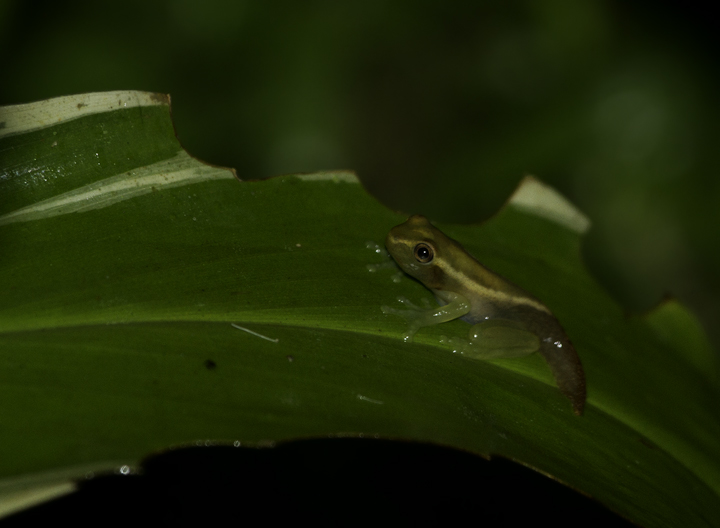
[424, 253]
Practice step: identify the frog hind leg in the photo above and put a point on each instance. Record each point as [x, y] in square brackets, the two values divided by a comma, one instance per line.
[496, 338]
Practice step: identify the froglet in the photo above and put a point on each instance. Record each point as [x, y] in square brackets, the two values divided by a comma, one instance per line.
[507, 321]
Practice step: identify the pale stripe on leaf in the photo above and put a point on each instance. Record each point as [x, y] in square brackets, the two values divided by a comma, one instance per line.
[174, 172]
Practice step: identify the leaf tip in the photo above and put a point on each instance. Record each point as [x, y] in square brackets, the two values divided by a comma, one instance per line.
[537, 198]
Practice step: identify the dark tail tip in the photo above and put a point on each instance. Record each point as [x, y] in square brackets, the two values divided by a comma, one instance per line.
[568, 372]
[578, 407]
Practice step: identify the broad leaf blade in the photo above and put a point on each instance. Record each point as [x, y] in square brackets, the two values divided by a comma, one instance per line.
[124, 263]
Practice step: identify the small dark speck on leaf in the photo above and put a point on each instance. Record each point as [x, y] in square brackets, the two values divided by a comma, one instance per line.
[81, 105]
[210, 364]
[365, 356]
[290, 359]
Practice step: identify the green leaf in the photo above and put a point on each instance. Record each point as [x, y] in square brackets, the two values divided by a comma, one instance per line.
[125, 263]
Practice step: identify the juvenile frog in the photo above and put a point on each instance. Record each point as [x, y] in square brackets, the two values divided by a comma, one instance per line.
[506, 320]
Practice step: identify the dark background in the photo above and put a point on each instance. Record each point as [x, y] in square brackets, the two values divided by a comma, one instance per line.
[440, 107]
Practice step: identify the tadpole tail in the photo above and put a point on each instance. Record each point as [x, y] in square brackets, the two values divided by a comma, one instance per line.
[565, 365]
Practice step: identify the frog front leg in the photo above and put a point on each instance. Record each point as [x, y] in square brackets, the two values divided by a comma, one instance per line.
[418, 317]
[496, 338]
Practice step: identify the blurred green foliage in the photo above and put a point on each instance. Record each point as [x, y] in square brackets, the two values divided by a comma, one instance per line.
[440, 107]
